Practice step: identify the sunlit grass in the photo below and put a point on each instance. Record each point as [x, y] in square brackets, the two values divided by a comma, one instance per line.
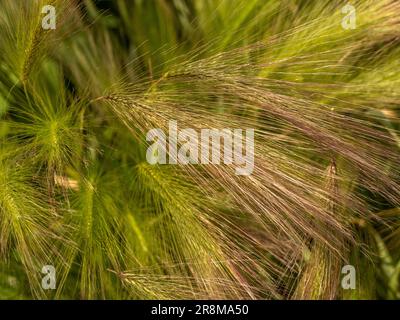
[77, 192]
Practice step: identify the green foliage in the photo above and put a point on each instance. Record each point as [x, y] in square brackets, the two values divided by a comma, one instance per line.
[77, 192]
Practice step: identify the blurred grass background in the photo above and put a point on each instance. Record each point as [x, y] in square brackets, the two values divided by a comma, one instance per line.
[70, 159]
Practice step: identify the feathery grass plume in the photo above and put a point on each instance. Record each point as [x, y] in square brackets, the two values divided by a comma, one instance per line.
[251, 96]
[48, 129]
[95, 228]
[320, 278]
[24, 41]
[25, 219]
[197, 252]
[77, 193]
[169, 98]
